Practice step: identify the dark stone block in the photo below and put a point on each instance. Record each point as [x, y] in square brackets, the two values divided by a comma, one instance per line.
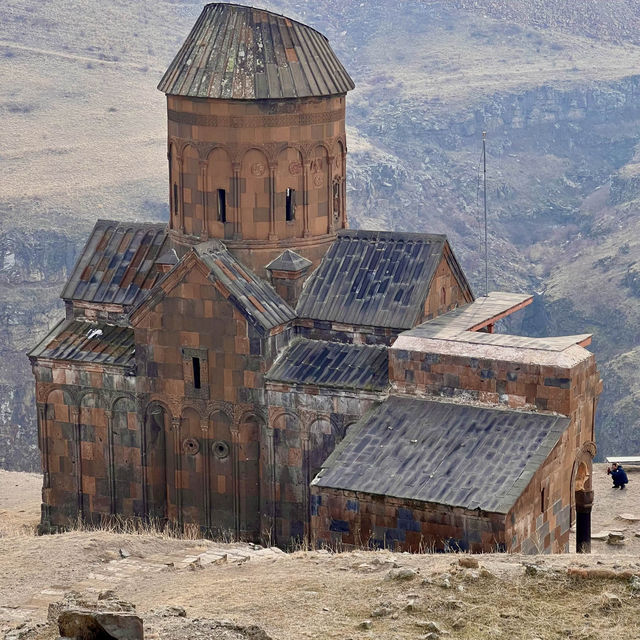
[487, 374]
[353, 505]
[405, 514]
[512, 377]
[341, 526]
[541, 403]
[562, 383]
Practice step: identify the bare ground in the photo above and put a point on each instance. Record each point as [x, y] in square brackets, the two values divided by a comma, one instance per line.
[315, 594]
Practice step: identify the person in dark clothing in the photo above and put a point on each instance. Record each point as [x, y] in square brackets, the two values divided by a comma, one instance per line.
[618, 475]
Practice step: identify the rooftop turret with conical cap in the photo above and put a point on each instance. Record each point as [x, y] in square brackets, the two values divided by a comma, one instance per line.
[257, 145]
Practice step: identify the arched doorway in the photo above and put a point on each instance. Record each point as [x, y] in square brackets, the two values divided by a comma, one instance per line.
[583, 496]
[155, 463]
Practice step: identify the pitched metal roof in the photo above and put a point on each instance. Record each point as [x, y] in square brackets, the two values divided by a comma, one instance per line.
[445, 453]
[331, 364]
[243, 53]
[117, 265]
[88, 342]
[373, 278]
[289, 261]
[256, 298]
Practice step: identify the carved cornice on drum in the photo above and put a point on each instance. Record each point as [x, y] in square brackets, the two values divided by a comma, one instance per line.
[255, 122]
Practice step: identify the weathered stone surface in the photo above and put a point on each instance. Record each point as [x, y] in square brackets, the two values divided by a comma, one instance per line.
[403, 573]
[96, 625]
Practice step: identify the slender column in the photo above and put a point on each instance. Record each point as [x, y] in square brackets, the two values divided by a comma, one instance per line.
[307, 475]
[112, 462]
[235, 445]
[331, 222]
[175, 425]
[75, 416]
[584, 503]
[205, 199]
[272, 203]
[43, 432]
[237, 223]
[305, 199]
[206, 453]
[180, 194]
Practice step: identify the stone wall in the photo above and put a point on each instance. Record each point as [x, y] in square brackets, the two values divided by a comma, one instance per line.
[89, 443]
[305, 425]
[256, 152]
[345, 519]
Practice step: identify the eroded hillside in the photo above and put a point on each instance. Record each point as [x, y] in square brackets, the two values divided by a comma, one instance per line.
[84, 138]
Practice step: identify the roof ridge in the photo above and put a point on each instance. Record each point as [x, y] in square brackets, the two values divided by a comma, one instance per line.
[390, 235]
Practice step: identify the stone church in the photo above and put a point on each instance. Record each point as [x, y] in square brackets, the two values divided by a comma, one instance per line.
[255, 369]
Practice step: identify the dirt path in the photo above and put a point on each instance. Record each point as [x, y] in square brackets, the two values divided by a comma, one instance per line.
[318, 594]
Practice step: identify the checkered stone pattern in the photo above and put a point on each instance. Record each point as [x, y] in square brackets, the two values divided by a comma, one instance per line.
[345, 520]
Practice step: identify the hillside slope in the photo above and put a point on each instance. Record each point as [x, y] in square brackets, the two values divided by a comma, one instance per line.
[84, 137]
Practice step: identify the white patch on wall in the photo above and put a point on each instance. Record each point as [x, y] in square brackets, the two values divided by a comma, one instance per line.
[8, 261]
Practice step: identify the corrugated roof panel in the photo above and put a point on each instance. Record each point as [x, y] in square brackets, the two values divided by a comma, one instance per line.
[332, 364]
[442, 452]
[89, 342]
[117, 265]
[373, 278]
[243, 53]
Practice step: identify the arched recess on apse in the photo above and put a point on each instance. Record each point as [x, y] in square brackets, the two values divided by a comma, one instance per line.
[582, 473]
[191, 469]
[322, 442]
[339, 193]
[60, 457]
[192, 213]
[96, 467]
[174, 185]
[248, 454]
[222, 479]
[319, 190]
[255, 195]
[127, 463]
[289, 175]
[219, 194]
[156, 435]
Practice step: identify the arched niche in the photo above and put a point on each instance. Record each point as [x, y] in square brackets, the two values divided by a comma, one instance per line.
[249, 476]
[255, 195]
[319, 190]
[191, 474]
[154, 461]
[219, 194]
[96, 457]
[220, 450]
[192, 210]
[339, 195]
[126, 456]
[322, 442]
[174, 186]
[61, 454]
[289, 194]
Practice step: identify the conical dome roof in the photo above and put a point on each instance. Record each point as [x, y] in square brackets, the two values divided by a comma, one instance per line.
[242, 53]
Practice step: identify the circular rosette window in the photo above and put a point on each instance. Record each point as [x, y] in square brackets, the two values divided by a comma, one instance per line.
[220, 449]
[191, 446]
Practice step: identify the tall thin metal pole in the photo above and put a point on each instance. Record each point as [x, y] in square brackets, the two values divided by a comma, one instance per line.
[486, 244]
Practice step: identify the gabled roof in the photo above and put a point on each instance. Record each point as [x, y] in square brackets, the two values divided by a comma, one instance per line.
[244, 53]
[255, 297]
[444, 453]
[375, 278]
[88, 342]
[117, 265]
[332, 364]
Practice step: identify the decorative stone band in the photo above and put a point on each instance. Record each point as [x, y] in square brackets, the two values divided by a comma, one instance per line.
[240, 122]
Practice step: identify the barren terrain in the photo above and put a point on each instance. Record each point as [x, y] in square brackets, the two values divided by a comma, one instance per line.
[318, 594]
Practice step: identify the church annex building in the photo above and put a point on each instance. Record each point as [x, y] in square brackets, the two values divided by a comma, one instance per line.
[256, 369]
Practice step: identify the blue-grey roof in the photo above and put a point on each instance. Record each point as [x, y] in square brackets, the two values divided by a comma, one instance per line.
[445, 453]
[373, 278]
[246, 53]
[118, 263]
[331, 364]
[256, 298]
[90, 342]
